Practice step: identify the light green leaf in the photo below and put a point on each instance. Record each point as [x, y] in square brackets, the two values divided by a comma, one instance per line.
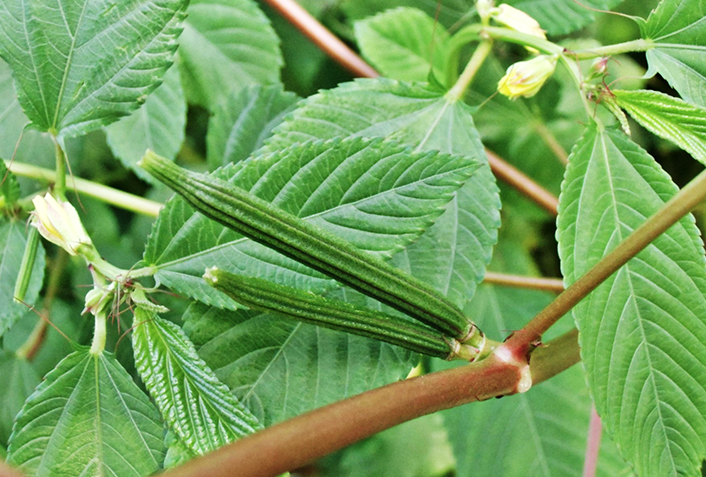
[12, 119]
[279, 368]
[670, 118]
[404, 44]
[240, 125]
[87, 418]
[194, 403]
[418, 448]
[378, 195]
[642, 332]
[158, 125]
[177, 452]
[226, 45]
[18, 378]
[451, 256]
[678, 30]
[559, 17]
[13, 238]
[9, 187]
[83, 64]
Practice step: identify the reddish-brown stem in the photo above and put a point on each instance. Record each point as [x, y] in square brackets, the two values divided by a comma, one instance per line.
[7, 471]
[301, 440]
[323, 38]
[347, 58]
[593, 445]
[536, 283]
[522, 183]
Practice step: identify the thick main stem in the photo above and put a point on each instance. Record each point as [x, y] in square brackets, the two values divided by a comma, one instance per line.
[676, 208]
[305, 438]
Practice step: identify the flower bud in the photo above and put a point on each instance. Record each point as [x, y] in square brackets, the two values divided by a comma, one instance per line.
[518, 20]
[525, 78]
[59, 223]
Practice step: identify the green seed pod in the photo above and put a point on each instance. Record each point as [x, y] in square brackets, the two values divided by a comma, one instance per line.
[263, 295]
[290, 235]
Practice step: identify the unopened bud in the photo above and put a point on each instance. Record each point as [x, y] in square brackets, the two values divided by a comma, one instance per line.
[525, 78]
[59, 223]
[518, 20]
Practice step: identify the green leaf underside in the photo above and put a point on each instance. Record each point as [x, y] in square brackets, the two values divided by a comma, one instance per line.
[678, 30]
[13, 238]
[452, 254]
[158, 125]
[240, 125]
[559, 17]
[279, 368]
[18, 379]
[642, 334]
[87, 418]
[196, 405]
[376, 194]
[226, 45]
[670, 118]
[541, 433]
[82, 64]
[403, 44]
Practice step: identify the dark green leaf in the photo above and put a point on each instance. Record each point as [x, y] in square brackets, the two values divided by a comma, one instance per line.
[226, 45]
[378, 195]
[404, 44]
[13, 238]
[87, 418]
[18, 378]
[240, 125]
[451, 256]
[194, 403]
[678, 30]
[448, 12]
[80, 65]
[9, 188]
[670, 118]
[642, 332]
[559, 17]
[280, 369]
[158, 125]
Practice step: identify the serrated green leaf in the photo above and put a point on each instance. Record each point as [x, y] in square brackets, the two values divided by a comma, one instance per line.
[177, 452]
[404, 43]
[13, 238]
[642, 332]
[12, 119]
[87, 418]
[241, 124]
[452, 254]
[158, 125]
[678, 30]
[226, 45]
[378, 195]
[559, 17]
[18, 378]
[81, 65]
[280, 369]
[670, 118]
[194, 403]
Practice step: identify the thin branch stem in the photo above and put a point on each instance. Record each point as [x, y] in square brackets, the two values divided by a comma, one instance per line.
[617, 49]
[469, 72]
[593, 445]
[535, 283]
[60, 175]
[551, 142]
[106, 194]
[676, 208]
[323, 38]
[522, 183]
[307, 437]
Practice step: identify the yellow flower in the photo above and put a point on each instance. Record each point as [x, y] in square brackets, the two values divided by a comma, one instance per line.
[525, 78]
[59, 223]
[518, 20]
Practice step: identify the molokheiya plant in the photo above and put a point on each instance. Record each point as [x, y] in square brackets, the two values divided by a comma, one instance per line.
[320, 250]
